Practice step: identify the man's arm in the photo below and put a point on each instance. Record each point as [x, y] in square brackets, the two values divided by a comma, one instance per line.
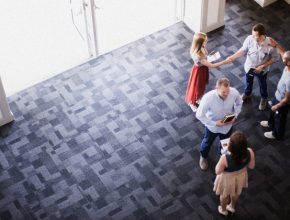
[238, 103]
[276, 45]
[283, 102]
[263, 66]
[241, 51]
[236, 55]
[201, 112]
[274, 58]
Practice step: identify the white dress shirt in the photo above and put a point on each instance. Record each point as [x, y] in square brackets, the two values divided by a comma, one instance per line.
[258, 54]
[213, 108]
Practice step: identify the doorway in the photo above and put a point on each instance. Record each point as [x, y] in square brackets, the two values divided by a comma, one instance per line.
[40, 39]
[120, 22]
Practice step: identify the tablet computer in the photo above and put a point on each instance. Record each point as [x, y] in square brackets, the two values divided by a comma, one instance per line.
[228, 118]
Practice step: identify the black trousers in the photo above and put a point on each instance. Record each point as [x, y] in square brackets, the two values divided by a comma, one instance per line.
[277, 120]
[262, 79]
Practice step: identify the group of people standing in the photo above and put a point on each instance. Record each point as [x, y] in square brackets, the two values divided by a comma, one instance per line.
[261, 51]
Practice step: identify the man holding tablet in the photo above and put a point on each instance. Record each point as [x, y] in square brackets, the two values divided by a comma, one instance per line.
[218, 111]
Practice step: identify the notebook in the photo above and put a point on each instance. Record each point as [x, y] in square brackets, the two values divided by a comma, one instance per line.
[228, 117]
[213, 56]
[225, 144]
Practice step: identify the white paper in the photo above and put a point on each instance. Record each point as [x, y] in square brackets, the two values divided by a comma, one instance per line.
[225, 144]
[213, 57]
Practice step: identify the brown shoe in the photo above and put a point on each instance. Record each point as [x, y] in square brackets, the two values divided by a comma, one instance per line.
[263, 104]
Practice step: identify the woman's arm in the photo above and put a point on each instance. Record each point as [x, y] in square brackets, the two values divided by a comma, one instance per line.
[221, 165]
[252, 162]
[213, 65]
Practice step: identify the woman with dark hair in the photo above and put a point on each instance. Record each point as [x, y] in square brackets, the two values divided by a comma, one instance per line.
[231, 170]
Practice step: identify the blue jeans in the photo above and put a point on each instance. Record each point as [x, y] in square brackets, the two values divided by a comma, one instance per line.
[277, 120]
[262, 79]
[208, 139]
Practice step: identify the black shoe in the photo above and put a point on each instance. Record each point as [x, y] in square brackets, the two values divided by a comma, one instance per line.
[245, 97]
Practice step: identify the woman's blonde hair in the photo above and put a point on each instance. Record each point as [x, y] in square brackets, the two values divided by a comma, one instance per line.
[197, 44]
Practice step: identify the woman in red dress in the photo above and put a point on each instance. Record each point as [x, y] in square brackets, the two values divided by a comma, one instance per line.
[199, 73]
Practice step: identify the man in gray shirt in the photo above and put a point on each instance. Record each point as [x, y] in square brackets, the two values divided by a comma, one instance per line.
[260, 55]
[280, 104]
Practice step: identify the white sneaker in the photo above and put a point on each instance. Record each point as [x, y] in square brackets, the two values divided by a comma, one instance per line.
[263, 104]
[203, 163]
[264, 124]
[230, 208]
[225, 213]
[193, 107]
[269, 135]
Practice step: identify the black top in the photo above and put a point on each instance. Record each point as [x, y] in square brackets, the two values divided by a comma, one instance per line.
[232, 166]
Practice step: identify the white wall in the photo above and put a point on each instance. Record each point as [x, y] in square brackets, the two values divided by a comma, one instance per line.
[204, 15]
[193, 14]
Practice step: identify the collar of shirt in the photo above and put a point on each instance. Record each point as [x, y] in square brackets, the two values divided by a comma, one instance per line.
[219, 97]
[261, 44]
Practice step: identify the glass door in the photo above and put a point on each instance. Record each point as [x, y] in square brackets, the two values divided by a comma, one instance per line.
[108, 24]
[39, 39]
[120, 22]
[84, 21]
[42, 38]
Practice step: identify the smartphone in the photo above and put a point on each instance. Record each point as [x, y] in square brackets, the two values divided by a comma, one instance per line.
[252, 71]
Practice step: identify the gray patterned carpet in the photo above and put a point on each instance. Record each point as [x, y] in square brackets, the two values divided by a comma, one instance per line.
[113, 138]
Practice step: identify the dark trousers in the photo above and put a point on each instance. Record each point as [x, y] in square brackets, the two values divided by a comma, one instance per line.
[277, 120]
[262, 79]
[208, 139]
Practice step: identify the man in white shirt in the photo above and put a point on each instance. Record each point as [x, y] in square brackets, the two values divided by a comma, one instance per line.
[260, 55]
[280, 104]
[214, 106]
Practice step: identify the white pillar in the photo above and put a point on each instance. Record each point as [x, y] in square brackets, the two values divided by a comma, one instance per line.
[204, 15]
[6, 115]
[264, 3]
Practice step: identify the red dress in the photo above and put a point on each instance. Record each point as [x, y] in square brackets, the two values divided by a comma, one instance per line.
[196, 85]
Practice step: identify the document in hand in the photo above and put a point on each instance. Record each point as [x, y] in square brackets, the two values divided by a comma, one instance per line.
[228, 117]
[215, 55]
[225, 145]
